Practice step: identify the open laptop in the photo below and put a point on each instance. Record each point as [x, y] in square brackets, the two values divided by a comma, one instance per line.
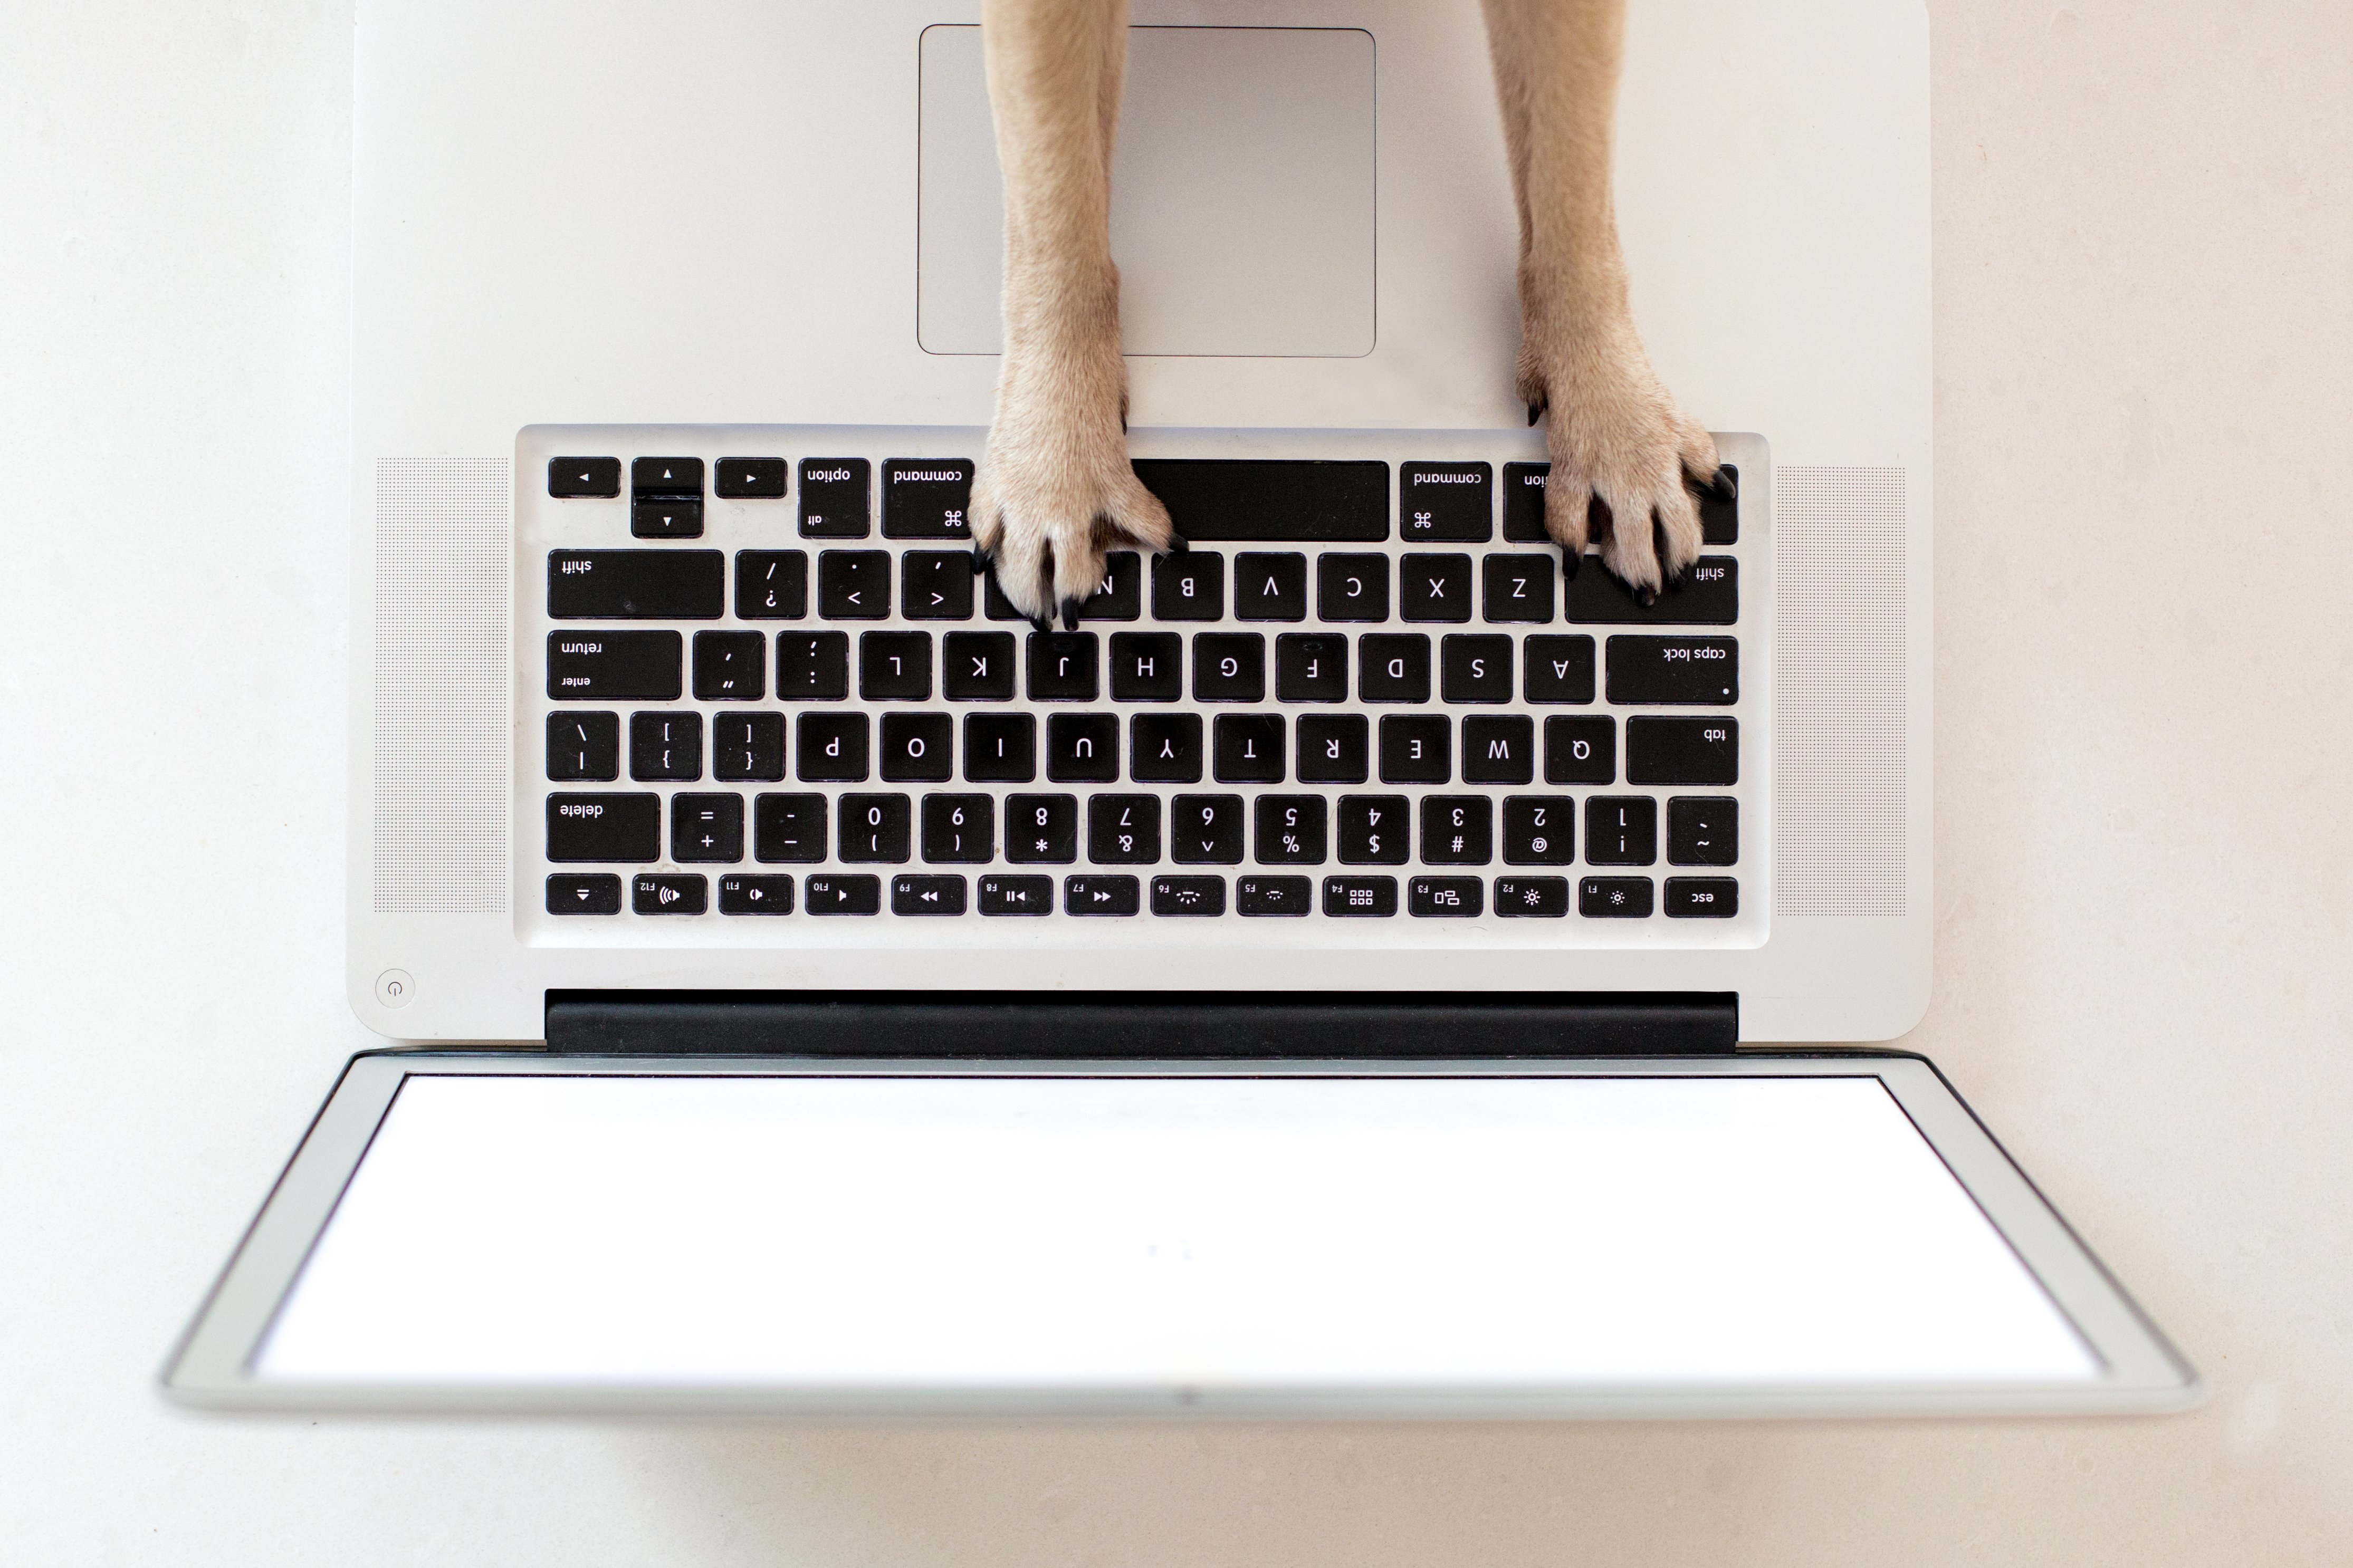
[1336, 977]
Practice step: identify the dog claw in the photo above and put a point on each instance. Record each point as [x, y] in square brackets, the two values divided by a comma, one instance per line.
[979, 561]
[1721, 487]
[1570, 556]
[1646, 597]
[1070, 615]
[1536, 412]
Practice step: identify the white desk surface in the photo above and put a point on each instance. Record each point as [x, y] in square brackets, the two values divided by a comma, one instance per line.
[2146, 781]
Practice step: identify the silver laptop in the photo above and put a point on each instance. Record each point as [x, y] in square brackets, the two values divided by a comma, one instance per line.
[1342, 975]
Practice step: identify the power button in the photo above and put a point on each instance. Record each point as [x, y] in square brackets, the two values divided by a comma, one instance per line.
[394, 987]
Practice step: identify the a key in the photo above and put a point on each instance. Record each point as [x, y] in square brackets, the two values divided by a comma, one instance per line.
[1124, 829]
[894, 666]
[1581, 751]
[747, 747]
[834, 502]
[1000, 748]
[1614, 898]
[1247, 748]
[615, 829]
[959, 829]
[976, 667]
[666, 747]
[1289, 829]
[918, 748]
[1096, 894]
[1189, 895]
[1373, 830]
[1446, 502]
[586, 892]
[1539, 830]
[1532, 897]
[1268, 586]
[1165, 748]
[1457, 830]
[583, 747]
[926, 498]
[1434, 588]
[1684, 671]
[1446, 897]
[706, 827]
[1560, 669]
[1701, 898]
[1709, 595]
[1062, 666]
[1621, 830]
[1205, 830]
[1333, 748]
[1702, 830]
[922, 895]
[1683, 751]
[842, 893]
[591, 477]
[812, 667]
[749, 478]
[1719, 516]
[666, 477]
[669, 893]
[731, 667]
[993, 604]
[1120, 596]
[755, 895]
[876, 828]
[771, 584]
[832, 748]
[1524, 502]
[666, 517]
[786, 829]
[1311, 666]
[1393, 666]
[1360, 898]
[1010, 895]
[935, 586]
[1517, 588]
[1041, 828]
[1228, 667]
[1147, 666]
[853, 584]
[636, 585]
[615, 667]
[1499, 749]
[1282, 500]
[1415, 749]
[1190, 586]
[1474, 667]
[1083, 748]
[1276, 896]
[1352, 587]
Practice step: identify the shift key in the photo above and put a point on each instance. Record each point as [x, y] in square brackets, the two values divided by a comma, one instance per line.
[615, 667]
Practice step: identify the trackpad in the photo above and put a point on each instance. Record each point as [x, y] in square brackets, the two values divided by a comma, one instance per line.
[1242, 194]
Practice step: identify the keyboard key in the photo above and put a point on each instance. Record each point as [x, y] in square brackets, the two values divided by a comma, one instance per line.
[1621, 830]
[771, 585]
[1719, 516]
[747, 746]
[1228, 667]
[1474, 668]
[894, 666]
[669, 893]
[1701, 898]
[1004, 895]
[666, 477]
[926, 498]
[1124, 829]
[666, 517]
[1083, 748]
[1311, 666]
[1360, 898]
[749, 478]
[1062, 666]
[1041, 828]
[617, 829]
[596, 477]
[1373, 830]
[1614, 898]
[755, 895]
[1581, 751]
[1539, 830]
[976, 667]
[1165, 748]
[706, 827]
[1446, 897]
[853, 584]
[838, 894]
[1452, 502]
[831, 748]
[935, 586]
[876, 828]
[1278, 501]
[666, 747]
[1709, 596]
[788, 828]
[1560, 669]
[1000, 748]
[995, 605]
[1417, 749]
[583, 747]
[1334, 748]
[1248, 747]
[1517, 588]
[812, 667]
[636, 585]
[918, 748]
[1100, 895]
[1289, 829]
[1270, 587]
[1685, 672]
[1524, 502]
[589, 893]
[1352, 587]
[834, 503]
[615, 667]
[731, 667]
[1189, 895]
[1120, 596]
[1276, 896]
[1457, 830]
[1190, 586]
[1683, 751]
[959, 829]
[919, 895]
[1499, 749]
[1147, 666]
[1532, 897]
[1393, 666]
[1205, 830]
[1434, 588]
[1702, 830]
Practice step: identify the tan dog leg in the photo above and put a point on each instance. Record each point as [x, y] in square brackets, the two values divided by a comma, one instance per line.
[1621, 448]
[1054, 489]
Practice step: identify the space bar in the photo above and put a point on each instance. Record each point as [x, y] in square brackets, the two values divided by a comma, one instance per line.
[1226, 498]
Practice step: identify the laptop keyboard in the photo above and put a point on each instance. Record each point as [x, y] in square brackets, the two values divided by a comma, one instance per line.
[775, 688]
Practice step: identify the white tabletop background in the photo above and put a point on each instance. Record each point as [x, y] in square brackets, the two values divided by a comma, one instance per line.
[2145, 405]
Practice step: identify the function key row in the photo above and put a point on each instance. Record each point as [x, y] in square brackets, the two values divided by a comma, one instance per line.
[922, 497]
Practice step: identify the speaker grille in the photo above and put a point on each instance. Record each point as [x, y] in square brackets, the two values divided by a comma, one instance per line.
[442, 664]
[1840, 692]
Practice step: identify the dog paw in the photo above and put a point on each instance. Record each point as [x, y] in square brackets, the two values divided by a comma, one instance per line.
[1623, 455]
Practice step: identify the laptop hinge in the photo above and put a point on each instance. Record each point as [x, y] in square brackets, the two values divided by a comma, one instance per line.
[1160, 1026]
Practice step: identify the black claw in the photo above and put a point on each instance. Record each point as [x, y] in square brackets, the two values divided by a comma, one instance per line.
[1646, 597]
[1179, 544]
[1536, 412]
[1070, 615]
[1722, 486]
[1570, 558]
[979, 561]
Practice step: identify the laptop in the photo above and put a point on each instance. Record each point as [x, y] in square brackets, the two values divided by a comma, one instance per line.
[1362, 968]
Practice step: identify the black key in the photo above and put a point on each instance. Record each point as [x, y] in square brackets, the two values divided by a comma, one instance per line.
[1248, 747]
[1581, 751]
[1189, 587]
[585, 893]
[918, 748]
[749, 478]
[747, 746]
[1000, 748]
[1702, 830]
[1474, 667]
[1373, 830]
[895, 666]
[1228, 667]
[812, 667]
[1532, 897]
[669, 893]
[1539, 830]
[1334, 748]
[853, 584]
[1457, 830]
[1083, 748]
[1277, 896]
[1284, 500]
[1041, 828]
[1499, 749]
[1685, 672]
[1189, 895]
[1518, 588]
[666, 517]
[876, 828]
[1393, 666]
[1524, 502]
[614, 828]
[926, 498]
[636, 585]
[1165, 748]
[1719, 523]
[935, 586]
[1270, 587]
[834, 503]
[755, 895]
[1446, 897]
[666, 747]
[1147, 666]
[1100, 895]
[1311, 666]
[706, 827]
[1003, 895]
[1352, 587]
[1560, 669]
[976, 667]
[1120, 596]
[731, 667]
[615, 667]
[1289, 829]
[1708, 597]
[1434, 588]
[917, 895]
[839, 894]
[787, 828]
[831, 748]
[1614, 898]
[1621, 830]
[1205, 830]
[959, 829]
[771, 585]
[1683, 751]
[1124, 829]
[1359, 898]
[666, 477]
[996, 607]
[1702, 898]
[1446, 502]
[1062, 666]
[1415, 749]
[600, 477]
[583, 747]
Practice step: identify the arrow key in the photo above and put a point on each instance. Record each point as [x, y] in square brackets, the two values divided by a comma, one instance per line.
[595, 894]
[571, 477]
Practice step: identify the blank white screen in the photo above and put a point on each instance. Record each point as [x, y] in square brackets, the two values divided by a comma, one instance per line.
[1122, 1232]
